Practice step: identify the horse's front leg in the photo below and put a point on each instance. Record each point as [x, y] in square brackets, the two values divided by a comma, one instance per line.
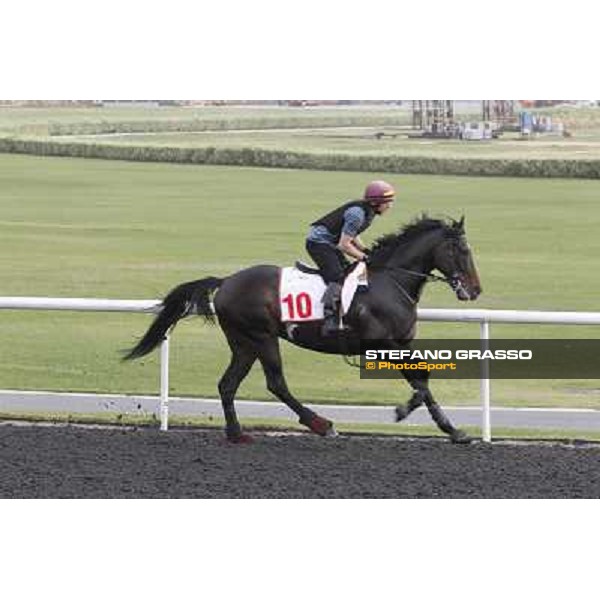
[403, 410]
[419, 381]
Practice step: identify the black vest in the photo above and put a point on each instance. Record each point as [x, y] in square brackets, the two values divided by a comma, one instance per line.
[334, 221]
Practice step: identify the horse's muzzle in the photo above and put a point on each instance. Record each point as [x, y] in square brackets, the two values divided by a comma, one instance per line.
[466, 288]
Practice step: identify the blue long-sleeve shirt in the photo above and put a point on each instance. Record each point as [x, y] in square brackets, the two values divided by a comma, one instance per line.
[354, 217]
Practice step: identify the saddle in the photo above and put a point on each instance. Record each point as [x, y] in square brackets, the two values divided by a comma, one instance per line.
[301, 290]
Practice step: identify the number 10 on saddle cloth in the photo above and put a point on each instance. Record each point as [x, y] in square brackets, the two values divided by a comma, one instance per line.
[300, 293]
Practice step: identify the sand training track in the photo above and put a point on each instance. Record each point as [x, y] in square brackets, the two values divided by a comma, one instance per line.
[82, 462]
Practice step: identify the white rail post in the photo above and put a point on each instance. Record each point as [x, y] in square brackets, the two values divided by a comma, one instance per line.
[486, 426]
[164, 384]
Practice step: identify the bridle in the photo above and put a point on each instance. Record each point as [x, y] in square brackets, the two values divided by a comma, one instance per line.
[454, 281]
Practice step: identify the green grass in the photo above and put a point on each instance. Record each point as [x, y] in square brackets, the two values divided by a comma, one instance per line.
[41, 121]
[89, 228]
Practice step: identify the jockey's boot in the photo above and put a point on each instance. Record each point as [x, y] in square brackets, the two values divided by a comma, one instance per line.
[331, 309]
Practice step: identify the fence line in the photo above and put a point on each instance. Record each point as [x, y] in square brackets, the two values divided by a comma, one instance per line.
[482, 316]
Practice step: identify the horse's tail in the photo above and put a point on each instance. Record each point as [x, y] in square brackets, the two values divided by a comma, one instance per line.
[191, 298]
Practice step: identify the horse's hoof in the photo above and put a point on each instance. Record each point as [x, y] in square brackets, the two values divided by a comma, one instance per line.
[242, 438]
[401, 413]
[331, 432]
[320, 426]
[460, 437]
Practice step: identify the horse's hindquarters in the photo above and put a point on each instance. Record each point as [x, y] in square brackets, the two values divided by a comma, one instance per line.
[249, 298]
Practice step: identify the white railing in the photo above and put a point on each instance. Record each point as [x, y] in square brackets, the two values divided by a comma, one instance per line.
[482, 316]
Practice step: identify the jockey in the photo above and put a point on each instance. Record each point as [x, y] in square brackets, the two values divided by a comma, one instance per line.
[335, 235]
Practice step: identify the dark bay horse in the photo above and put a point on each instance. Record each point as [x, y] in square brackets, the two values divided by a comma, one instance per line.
[247, 305]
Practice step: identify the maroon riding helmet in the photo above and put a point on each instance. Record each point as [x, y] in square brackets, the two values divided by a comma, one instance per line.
[379, 192]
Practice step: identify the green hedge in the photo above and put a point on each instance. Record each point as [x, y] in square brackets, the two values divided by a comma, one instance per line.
[256, 157]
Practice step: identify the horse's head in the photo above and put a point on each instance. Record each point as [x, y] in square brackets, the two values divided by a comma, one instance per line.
[427, 244]
[453, 257]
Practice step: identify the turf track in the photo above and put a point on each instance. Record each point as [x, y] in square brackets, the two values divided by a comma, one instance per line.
[76, 462]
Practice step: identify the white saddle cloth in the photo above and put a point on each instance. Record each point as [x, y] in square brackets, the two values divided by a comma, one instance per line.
[301, 294]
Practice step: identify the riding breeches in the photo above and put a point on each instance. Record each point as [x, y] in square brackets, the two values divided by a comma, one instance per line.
[329, 259]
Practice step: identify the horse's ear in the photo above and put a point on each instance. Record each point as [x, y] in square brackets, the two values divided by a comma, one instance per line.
[461, 224]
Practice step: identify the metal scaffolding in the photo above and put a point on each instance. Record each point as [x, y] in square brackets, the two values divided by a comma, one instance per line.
[501, 112]
[436, 117]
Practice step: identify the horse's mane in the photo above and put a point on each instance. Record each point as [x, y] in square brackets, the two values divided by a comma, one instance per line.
[384, 246]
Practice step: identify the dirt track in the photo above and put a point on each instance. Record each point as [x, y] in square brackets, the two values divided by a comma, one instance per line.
[75, 462]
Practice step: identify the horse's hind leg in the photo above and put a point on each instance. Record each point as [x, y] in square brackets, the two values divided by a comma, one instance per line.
[420, 383]
[243, 357]
[270, 358]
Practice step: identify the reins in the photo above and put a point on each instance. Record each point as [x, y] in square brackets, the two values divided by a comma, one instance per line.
[426, 276]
